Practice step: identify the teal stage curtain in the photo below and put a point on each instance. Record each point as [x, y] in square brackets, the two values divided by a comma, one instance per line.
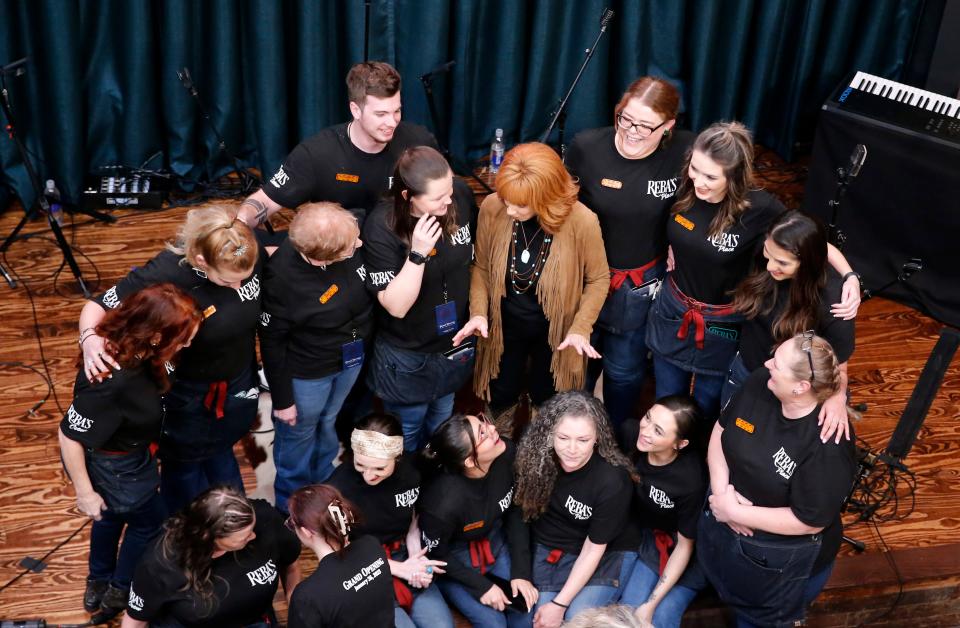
[102, 85]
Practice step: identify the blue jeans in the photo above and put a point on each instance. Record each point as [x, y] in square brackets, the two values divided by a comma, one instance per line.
[736, 375]
[811, 590]
[420, 420]
[304, 453]
[671, 607]
[181, 482]
[481, 615]
[429, 610]
[142, 524]
[673, 380]
[593, 595]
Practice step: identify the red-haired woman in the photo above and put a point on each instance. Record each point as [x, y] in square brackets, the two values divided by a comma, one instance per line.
[538, 282]
[213, 401]
[352, 586]
[106, 433]
[628, 175]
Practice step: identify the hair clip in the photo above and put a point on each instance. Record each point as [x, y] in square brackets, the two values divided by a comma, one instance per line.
[240, 250]
[336, 513]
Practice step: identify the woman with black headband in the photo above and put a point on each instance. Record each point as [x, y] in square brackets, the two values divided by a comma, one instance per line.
[351, 587]
[384, 484]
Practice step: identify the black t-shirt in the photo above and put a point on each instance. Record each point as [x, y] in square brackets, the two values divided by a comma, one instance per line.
[455, 509]
[355, 591]
[708, 269]
[328, 167]
[309, 313]
[387, 507]
[244, 582]
[385, 255]
[775, 461]
[591, 502]
[631, 197]
[757, 342]
[525, 306]
[225, 344]
[122, 413]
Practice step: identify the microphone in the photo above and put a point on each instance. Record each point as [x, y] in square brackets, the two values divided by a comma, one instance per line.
[187, 80]
[605, 19]
[15, 68]
[856, 160]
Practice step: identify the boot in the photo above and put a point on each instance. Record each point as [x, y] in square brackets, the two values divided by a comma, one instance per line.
[93, 594]
[114, 600]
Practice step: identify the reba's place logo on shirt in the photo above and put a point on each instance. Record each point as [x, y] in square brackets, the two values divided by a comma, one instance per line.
[250, 291]
[662, 189]
[660, 498]
[364, 576]
[279, 178]
[462, 236]
[725, 242]
[381, 278]
[578, 510]
[134, 601]
[263, 575]
[784, 464]
[428, 543]
[505, 502]
[78, 422]
[407, 498]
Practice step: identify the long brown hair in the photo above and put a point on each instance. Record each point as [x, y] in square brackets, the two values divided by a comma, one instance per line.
[416, 168]
[132, 328]
[533, 176]
[312, 507]
[730, 145]
[804, 237]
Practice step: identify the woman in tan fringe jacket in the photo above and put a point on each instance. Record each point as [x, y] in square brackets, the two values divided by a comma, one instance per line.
[539, 279]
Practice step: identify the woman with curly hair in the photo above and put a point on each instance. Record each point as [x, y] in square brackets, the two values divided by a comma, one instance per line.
[213, 402]
[573, 486]
[106, 433]
[217, 564]
[538, 282]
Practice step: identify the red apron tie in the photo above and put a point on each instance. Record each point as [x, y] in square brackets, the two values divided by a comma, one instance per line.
[481, 556]
[554, 556]
[694, 315]
[400, 589]
[617, 277]
[664, 542]
[216, 394]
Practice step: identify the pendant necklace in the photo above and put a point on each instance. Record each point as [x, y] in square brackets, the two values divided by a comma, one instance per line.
[525, 254]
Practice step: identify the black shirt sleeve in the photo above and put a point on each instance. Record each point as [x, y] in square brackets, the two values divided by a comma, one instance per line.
[94, 416]
[437, 531]
[155, 582]
[275, 328]
[165, 267]
[292, 184]
[821, 484]
[270, 521]
[609, 514]
[383, 252]
[518, 538]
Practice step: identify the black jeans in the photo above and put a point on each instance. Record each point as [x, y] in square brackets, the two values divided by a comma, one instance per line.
[525, 363]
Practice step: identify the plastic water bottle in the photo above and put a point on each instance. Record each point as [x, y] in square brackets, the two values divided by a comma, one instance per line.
[496, 152]
[53, 197]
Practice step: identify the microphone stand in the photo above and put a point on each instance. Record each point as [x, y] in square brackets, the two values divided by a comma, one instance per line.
[844, 176]
[559, 115]
[16, 69]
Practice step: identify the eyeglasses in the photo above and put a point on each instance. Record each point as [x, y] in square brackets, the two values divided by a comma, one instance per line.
[483, 430]
[640, 129]
[806, 345]
[291, 524]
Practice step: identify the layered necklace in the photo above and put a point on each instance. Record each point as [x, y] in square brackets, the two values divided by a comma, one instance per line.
[523, 281]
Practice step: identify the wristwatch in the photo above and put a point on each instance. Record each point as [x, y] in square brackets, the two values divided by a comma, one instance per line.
[853, 273]
[416, 258]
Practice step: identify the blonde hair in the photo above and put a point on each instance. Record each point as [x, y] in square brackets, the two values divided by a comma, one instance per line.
[215, 233]
[825, 379]
[533, 176]
[614, 616]
[323, 232]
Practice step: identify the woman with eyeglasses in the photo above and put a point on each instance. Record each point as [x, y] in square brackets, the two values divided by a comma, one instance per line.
[384, 485]
[351, 587]
[628, 176]
[213, 401]
[714, 230]
[418, 249]
[768, 540]
[790, 290]
[218, 563]
[317, 317]
[467, 518]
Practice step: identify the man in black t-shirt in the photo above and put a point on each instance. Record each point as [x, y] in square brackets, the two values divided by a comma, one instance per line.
[349, 163]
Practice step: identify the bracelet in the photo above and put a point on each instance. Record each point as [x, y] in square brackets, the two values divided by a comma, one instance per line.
[83, 337]
[564, 606]
[853, 273]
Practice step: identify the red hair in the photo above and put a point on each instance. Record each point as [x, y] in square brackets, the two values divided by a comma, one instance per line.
[310, 508]
[533, 176]
[132, 329]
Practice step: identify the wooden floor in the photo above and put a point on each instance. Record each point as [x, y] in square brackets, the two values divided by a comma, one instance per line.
[37, 508]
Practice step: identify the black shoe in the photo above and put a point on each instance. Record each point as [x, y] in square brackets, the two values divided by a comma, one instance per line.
[114, 600]
[93, 594]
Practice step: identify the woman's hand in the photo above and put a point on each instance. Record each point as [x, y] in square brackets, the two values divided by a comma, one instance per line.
[91, 504]
[724, 507]
[495, 598]
[97, 362]
[644, 615]
[425, 234]
[418, 570]
[670, 263]
[526, 589]
[476, 326]
[548, 616]
[286, 415]
[833, 417]
[849, 299]
[581, 344]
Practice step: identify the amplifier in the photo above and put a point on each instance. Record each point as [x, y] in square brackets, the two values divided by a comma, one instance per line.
[134, 190]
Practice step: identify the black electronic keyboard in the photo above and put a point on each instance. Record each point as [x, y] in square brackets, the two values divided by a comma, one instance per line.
[909, 109]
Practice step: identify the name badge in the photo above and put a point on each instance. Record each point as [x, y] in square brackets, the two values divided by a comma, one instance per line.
[611, 183]
[745, 425]
[348, 178]
[683, 222]
[352, 353]
[210, 311]
[476, 525]
[446, 314]
[326, 296]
